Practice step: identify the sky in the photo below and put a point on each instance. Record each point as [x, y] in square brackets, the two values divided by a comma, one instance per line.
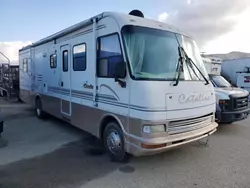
[218, 26]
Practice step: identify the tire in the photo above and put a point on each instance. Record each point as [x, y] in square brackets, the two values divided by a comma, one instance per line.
[39, 110]
[116, 151]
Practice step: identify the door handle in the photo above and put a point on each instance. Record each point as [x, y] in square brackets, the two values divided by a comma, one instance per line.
[61, 84]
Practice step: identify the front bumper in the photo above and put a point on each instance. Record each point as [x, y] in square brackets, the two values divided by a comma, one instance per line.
[226, 117]
[133, 143]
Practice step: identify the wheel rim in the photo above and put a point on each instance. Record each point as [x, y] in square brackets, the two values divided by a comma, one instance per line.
[38, 108]
[114, 142]
[38, 111]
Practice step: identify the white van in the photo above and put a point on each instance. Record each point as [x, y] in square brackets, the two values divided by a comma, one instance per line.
[138, 84]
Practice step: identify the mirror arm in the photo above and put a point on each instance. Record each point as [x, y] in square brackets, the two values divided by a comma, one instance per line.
[120, 82]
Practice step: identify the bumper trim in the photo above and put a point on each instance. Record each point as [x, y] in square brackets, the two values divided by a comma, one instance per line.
[232, 116]
[133, 143]
[138, 151]
[237, 112]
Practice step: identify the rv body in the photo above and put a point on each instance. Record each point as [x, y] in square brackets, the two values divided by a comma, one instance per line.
[73, 75]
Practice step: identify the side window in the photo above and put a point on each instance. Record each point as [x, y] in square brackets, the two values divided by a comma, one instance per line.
[79, 57]
[108, 55]
[65, 60]
[25, 65]
[53, 61]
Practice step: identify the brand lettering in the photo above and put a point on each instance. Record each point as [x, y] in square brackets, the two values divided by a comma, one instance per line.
[192, 98]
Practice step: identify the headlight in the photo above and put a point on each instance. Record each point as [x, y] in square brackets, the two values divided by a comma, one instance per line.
[223, 104]
[153, 129]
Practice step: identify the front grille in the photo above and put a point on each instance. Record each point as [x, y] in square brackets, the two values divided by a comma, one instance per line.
[240, 103]
[187, 125]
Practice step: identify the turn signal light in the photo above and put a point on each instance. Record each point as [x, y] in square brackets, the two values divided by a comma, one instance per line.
[222, 102]
[146, 146]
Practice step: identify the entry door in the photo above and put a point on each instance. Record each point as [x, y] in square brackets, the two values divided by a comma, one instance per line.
[65, 86]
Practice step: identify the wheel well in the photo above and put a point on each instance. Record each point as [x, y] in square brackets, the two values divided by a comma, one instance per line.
[104, 123]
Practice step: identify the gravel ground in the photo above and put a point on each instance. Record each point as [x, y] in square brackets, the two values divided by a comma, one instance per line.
[53, 154]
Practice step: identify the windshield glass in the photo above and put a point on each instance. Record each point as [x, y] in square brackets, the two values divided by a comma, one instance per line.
[153, 54]
[219, 81]
[193, 53]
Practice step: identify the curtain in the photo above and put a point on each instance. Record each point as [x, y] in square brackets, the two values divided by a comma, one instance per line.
[135, 45]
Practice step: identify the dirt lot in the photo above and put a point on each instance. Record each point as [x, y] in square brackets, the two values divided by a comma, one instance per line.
[53, 154]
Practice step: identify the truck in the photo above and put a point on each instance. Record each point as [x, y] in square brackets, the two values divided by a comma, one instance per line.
[237, 72]
[137, 84]
[231, 102]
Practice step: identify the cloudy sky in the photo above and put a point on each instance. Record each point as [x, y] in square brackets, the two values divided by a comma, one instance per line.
[218, 26]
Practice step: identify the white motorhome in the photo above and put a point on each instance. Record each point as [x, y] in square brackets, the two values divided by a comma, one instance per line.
[138, 84]
[231, 102]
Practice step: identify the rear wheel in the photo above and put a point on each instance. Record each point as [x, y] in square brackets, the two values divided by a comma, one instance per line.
[114, 142]
[39, 110]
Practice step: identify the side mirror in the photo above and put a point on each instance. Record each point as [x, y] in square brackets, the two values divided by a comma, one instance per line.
[120, 70]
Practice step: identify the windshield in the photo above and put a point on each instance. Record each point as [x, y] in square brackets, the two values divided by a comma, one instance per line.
[219, 81]
[153, 54]
[193, 53]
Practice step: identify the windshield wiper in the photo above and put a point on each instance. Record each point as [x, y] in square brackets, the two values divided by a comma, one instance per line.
[179, 66]
[191, 64]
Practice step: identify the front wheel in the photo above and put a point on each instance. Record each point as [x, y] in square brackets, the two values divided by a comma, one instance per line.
[114, 142]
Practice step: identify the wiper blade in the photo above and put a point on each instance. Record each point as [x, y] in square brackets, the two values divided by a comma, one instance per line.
[179, 67]
[189, 60]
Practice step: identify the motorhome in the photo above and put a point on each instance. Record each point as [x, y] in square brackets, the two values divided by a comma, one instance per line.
[138, 84]
[237, 72]
[231, 102]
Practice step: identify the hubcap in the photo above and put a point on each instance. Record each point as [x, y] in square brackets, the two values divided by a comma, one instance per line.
[38, 111]
[114, 142]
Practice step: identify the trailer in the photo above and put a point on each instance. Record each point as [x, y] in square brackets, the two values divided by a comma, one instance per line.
[237, 72]
[232, 103]
[121, 77]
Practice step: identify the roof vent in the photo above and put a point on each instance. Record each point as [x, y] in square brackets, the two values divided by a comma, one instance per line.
[136, 13]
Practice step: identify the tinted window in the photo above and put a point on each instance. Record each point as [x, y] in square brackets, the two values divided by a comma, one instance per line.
[53, 61]
[79, 57]
[108, 55]
[25, 65]
[65, 61]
